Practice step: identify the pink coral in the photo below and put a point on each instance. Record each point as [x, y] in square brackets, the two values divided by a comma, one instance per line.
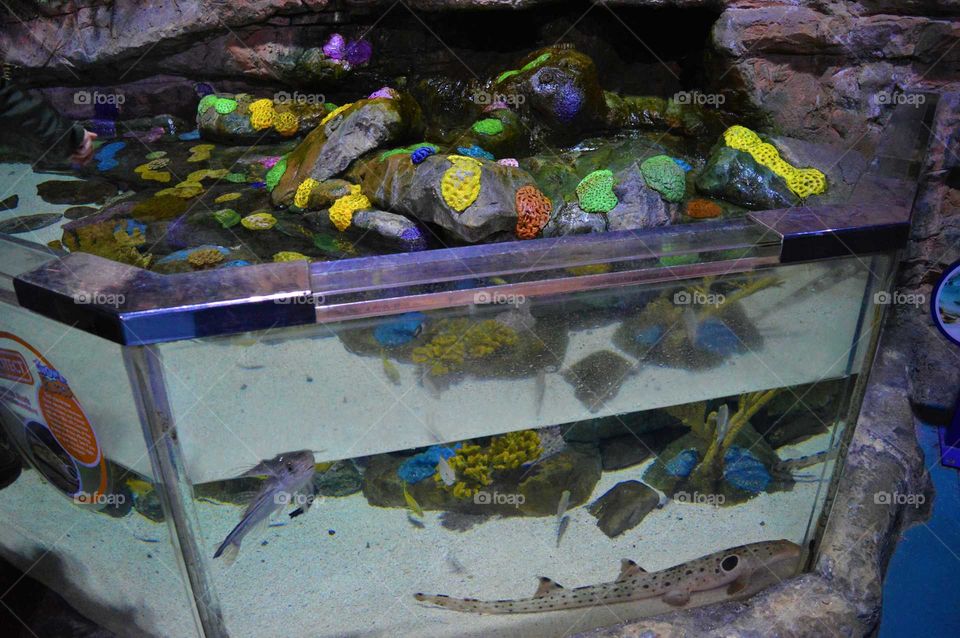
[270, 162]
[495, 106]
[508, 161]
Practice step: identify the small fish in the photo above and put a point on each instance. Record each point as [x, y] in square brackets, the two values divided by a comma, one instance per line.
[736, 571]
[289, 477]
[723, 423]
[447, 473]
[562, 519]
[389, 369]
[540, 389]
[412, 503]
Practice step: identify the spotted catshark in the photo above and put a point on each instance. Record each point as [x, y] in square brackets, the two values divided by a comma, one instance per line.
[730, 569]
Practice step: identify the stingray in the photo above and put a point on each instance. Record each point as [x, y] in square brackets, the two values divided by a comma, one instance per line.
[597, 378]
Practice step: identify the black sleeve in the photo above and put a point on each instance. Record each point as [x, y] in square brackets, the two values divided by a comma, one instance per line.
[28, 120]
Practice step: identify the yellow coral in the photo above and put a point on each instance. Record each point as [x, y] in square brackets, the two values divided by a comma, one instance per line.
[200, 152]
[334, 113]
[226, 197]
[302, 198]
[510, 451]
[342, 210]
[204, 257]
[289, 255]
[262, 114]
[150, 171]
[460, 184]
[474, 466]
[259, 221]
[804, 182]
[286, 124]
[458, 340]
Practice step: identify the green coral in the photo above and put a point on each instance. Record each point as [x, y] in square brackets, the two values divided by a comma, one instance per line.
[206, 102]
[534, 63]
[488, 126]
[595, 192]
[227, 217]
[236, 178]
[457, 341]
[475, 466]
[225, 105]
[276, 173]
[507, 74]
[665, 176]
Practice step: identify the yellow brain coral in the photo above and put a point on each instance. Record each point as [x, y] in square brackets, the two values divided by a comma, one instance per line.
[804, 182]
[205, 257]
[342, 210]
[289, 255]
[262, 114]
[460, 184]
[200, 152]
[286, 124]
[302, 198]
[259, 221]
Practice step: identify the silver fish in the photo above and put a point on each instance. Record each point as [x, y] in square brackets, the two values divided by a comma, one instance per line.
[562, 519]
[289, 478]
[540, 388]
[447, 473]
[723, 422]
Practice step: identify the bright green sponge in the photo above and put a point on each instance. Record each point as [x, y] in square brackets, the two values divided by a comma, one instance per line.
[275, 173]
[488, 126]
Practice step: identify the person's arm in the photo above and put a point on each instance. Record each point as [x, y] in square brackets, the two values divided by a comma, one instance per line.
[29, 115]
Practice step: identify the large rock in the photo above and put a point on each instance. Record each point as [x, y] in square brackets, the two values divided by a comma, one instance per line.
[398, 185]
[561, 97]
[330, 148]
[377, 228]
[639, 206]
[736, 177]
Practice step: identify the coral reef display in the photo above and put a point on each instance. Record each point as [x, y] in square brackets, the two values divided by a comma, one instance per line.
[595, 192]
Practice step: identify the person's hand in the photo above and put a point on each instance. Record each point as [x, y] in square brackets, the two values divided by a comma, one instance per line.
[83, 154]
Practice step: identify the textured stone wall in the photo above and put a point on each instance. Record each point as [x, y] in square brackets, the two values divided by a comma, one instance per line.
[823, 70]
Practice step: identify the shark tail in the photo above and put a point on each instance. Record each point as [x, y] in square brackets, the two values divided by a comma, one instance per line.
[471, 605]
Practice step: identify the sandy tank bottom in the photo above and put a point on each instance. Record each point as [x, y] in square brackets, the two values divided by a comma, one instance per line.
[349, 569]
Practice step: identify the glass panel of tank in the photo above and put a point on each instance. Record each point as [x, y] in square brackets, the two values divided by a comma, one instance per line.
[465, 453]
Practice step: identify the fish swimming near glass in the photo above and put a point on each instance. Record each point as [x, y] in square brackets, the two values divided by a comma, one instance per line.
[289, 480]
[739, 572]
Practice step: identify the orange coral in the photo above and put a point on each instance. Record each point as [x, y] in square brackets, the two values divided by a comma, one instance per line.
[703, 209]
[533, 211]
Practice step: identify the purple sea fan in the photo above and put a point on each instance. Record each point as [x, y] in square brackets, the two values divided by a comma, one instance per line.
[385, 91]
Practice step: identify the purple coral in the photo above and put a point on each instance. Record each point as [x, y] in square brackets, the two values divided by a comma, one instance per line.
[421, 154]
[269, 162]
[495, 106]
[335, 47]
[414, 238]
[353, 53]
[569, 102]
[384, 92]
[359, 52]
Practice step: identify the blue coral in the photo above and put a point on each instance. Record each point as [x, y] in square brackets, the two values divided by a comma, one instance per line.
[475, 151]
[190, 135]
[683, 463]
[400, 331]
[649, 335]
[236, 263]
[421, 154]
[424, 465]
[106, 156]
[716, 337]
[131, 228]
[744, 471]
[683, 164]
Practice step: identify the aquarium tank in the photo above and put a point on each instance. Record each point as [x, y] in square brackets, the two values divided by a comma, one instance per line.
[434, 323]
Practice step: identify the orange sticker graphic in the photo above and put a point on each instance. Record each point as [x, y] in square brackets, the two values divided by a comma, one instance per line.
[62, 444]
[14, 368]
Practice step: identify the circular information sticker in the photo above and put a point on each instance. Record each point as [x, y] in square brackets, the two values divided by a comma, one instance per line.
[57, 436]
[945, 303]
